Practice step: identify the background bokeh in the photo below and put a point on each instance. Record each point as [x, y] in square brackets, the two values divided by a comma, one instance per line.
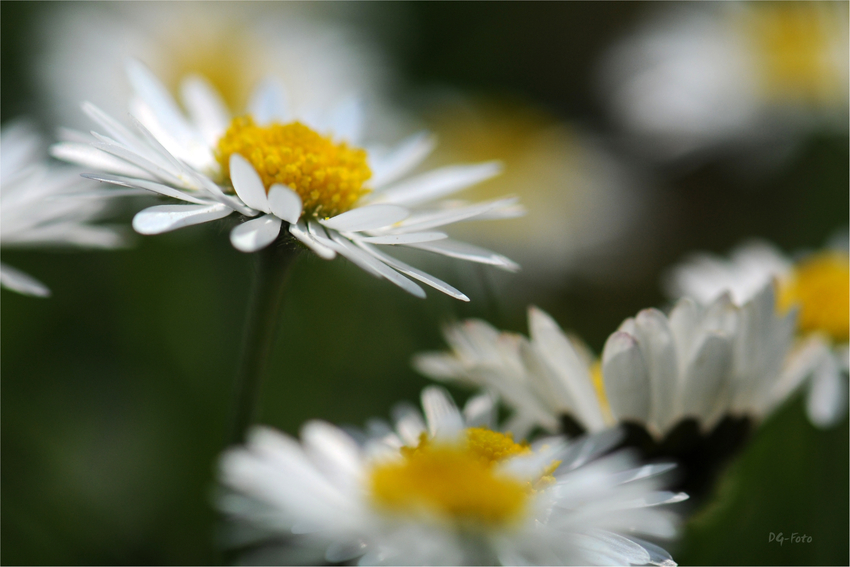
[116, 391]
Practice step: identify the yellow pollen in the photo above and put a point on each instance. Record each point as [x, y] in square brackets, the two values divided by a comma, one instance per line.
[820, 285]
[456, 481]
[328, 177]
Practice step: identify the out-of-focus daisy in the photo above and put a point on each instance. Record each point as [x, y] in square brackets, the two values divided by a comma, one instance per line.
[300, 170]
[700, 362]
[44, 205]
[446, 490]
[233, 45]
[585, 207]
[817, 283]
[688, 385]
[721, 76]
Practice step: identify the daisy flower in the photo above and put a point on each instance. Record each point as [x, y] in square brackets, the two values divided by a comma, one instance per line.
[687, 385]
[282, 170]
[307, 45]
[717, 77]
[584, 205]
[817, 283]
[699, 362]
[42, 205]
[446, 490]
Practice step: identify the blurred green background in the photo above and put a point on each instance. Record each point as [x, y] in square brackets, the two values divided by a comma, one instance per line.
[116, 391]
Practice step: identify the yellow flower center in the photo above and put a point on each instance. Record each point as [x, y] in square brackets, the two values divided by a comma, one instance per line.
[820, 285]
[328, 177]
[458, 482]
[796, 44]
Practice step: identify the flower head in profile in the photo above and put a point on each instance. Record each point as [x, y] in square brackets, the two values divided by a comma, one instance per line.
[817, 284]
[445, 490]
[699, 362]
[687, 385]
[44, 205]
[302, 173]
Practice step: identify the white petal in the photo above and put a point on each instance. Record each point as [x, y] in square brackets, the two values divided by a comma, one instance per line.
[469, 252]
[300, 232]
[480, 411]
[147, 185]
[408, 238]
[563, 361]
[157, 98]
[111, 147]
[268, 103]
[113, 128]
[827, 401]
[374, 266]
[13, 279]
[402, 159]
[162, 218]
[347, 120]
[254, 234]
[206, 108]
[625, 377]
[659, 354]
[369, 217]
[443, 418]
[427, 279]
[438, 183]
[285, 203]
[87, 156]
[247, 183]
[706, 374]
[432, 219]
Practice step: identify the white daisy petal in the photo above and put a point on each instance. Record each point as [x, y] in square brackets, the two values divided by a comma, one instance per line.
[205, 107]
[706, 375]
[115, 129]
[438, 183]
[301, 232]
[626, 379]
[109, 146]
[268, 103]
[247, 184]
[255, 234]
[87, 156]
[159, 188]
[442, 415]
[434, 219]
[16, 280]
[374, 265]
[472, 253]
[827, 401]
[346, 120]
[659, 354]
[406, 156]
[427, 279]
[407, 238]
[369, 217]
[163, 218]
[285, 203]
[157, 98]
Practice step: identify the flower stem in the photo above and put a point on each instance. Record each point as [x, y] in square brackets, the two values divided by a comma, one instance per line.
[273, 266]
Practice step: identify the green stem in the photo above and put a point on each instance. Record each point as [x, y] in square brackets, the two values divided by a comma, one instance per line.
[273, 263]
